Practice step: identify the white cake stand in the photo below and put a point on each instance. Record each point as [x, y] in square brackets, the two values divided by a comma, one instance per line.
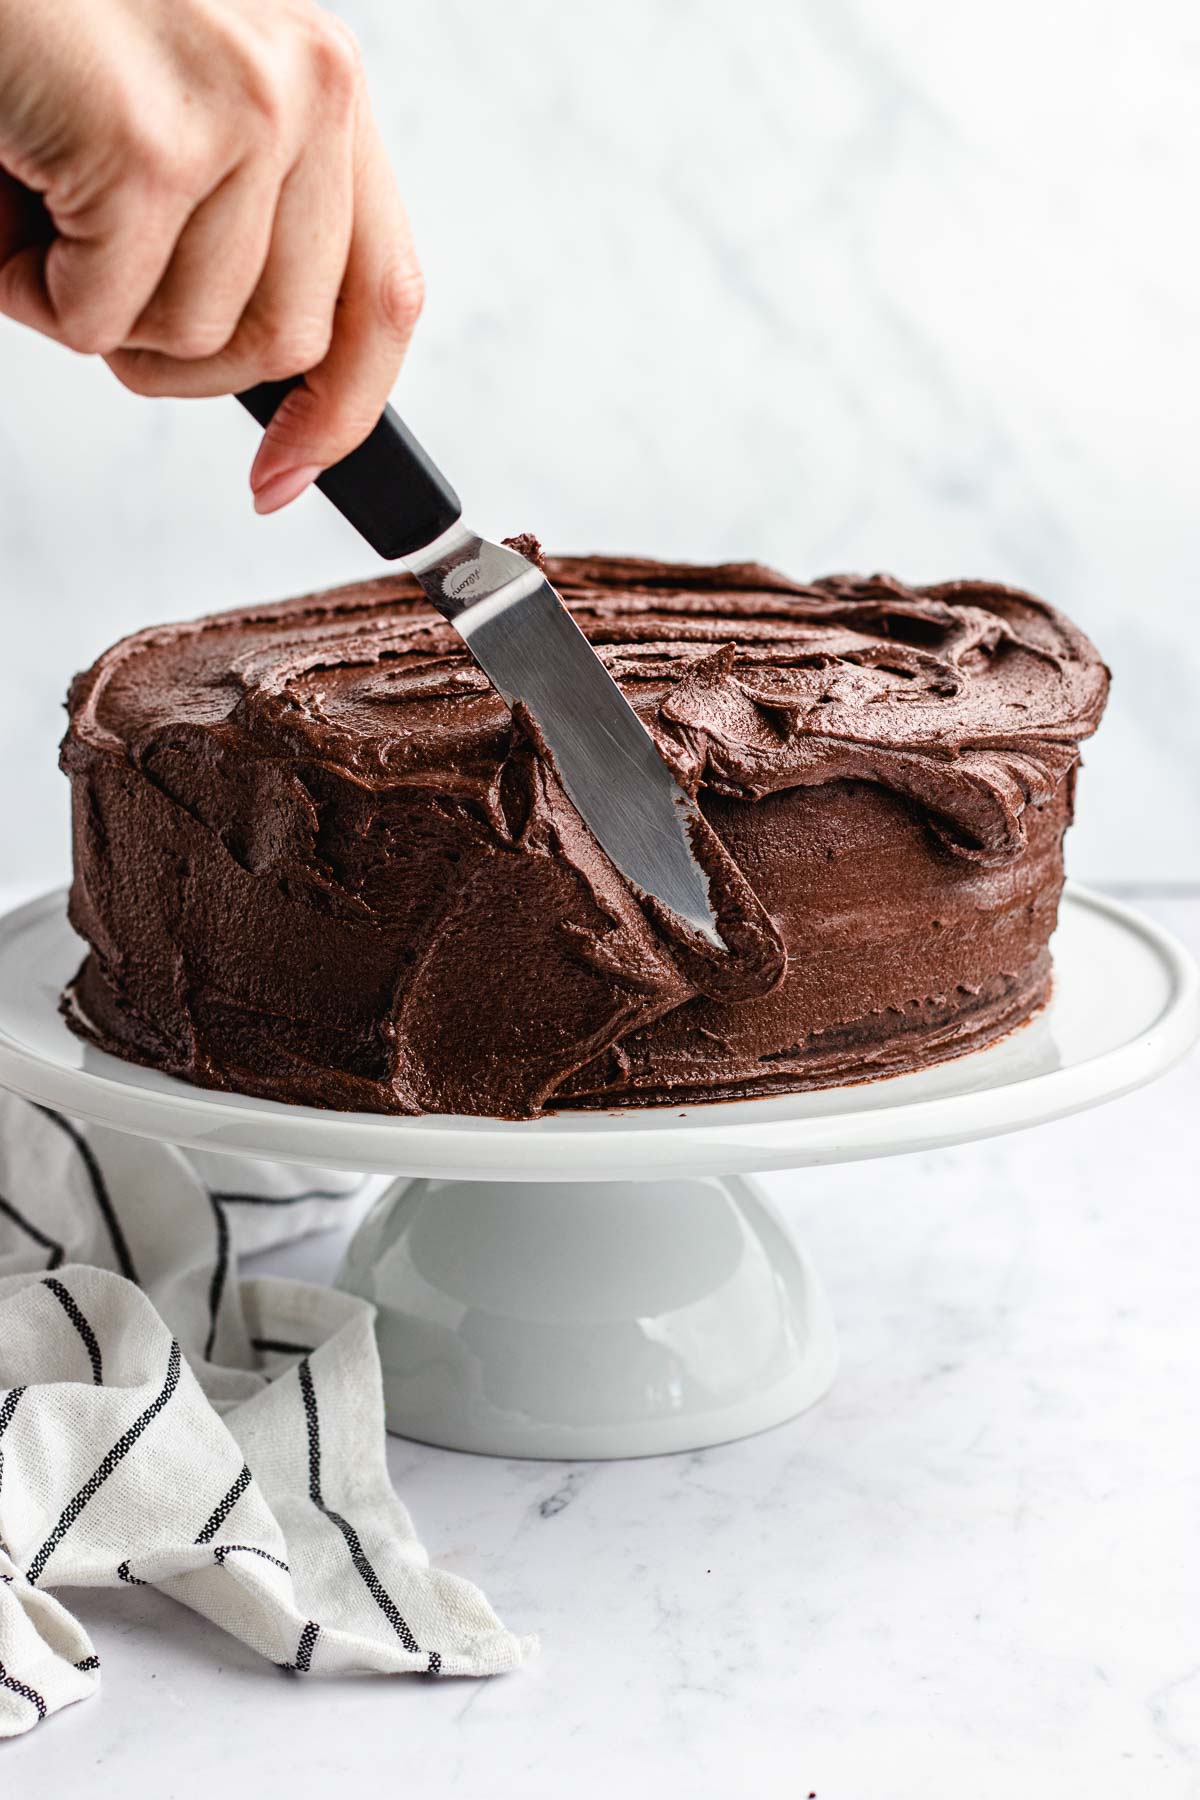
[610, 1284]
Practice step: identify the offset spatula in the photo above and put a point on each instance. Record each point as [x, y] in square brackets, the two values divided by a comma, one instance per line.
[532, 651]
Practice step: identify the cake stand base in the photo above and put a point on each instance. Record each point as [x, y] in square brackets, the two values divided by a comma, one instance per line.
[589, 1319]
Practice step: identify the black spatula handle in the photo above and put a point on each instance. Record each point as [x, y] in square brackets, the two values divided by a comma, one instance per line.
[388, 488]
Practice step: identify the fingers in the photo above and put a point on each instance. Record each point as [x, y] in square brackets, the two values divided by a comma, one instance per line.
[380, 301]
[88, 286]
[215, 267]
[287, 325]
[221, 213]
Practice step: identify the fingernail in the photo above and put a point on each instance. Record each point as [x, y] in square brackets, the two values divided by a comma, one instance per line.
[279, 489]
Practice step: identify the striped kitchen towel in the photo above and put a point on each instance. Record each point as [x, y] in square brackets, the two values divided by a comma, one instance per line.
[163, 1422]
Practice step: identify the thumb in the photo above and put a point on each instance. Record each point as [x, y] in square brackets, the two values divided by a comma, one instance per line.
[284, 466]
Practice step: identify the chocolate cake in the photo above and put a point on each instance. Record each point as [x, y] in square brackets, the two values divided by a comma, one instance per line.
[317, 860]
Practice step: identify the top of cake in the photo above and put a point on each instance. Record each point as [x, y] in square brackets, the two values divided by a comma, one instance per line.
[967, 698]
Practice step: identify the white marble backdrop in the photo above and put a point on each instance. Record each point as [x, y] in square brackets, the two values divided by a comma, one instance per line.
[833, 283]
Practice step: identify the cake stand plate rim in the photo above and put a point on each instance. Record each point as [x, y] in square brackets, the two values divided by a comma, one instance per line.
[1040, 1072]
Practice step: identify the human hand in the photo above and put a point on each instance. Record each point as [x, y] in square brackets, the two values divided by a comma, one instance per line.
[196, 191]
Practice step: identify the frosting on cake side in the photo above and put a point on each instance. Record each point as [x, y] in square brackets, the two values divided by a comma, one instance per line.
[316, 859]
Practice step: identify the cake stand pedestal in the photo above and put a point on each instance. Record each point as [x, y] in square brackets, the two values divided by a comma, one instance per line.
[594, 1320]
[610, 1284]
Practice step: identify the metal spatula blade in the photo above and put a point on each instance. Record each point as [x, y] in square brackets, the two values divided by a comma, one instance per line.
[527, 643]
[535, 655]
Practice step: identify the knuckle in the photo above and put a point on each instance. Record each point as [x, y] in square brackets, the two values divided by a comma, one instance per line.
[259, 108]
[268, 101]
[193, 340]
[171, 181]
[88, 336]
[293, 349]
[161, 160]
[335, 60]
[133, 139]
[402, 296]
[173, 168]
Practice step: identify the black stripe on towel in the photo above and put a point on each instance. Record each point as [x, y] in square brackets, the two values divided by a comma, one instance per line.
[116, 1455]
[233, 1199]
[88, 1662]
[304, 1648]
[358, 1555]
[27, 1693]
[67, 1301]
[223, 1550]
[224, 1507]
[99, 1189]
[31, 1230]
[216, 1286]
[7, 1408]
[124, 1575]
[279, 1348]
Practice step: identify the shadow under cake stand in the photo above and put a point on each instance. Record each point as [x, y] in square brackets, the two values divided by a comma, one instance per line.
[611, 1284]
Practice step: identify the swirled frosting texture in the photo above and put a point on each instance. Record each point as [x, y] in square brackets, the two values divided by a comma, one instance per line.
[316, 859]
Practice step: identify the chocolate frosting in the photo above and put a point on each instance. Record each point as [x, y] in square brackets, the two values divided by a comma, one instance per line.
[316, 857]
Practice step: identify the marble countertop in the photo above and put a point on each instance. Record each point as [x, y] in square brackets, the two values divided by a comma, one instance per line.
[972, 1571]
